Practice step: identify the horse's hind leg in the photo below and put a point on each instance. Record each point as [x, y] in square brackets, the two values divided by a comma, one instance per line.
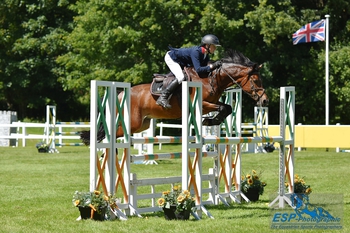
[223, 111]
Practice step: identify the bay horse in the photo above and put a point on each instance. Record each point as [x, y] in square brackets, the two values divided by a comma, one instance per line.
[236, 69]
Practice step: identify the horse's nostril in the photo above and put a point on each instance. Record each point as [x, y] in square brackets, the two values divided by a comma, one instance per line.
[265, 102]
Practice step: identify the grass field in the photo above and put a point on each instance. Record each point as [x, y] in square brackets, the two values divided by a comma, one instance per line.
[36, 192]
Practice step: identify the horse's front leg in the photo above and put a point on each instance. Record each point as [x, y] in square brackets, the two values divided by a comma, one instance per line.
[137, 126]
[145, 125]
[223, 111]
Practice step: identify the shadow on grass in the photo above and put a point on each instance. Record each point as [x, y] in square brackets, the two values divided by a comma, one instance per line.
[159, 214]
[244, 210]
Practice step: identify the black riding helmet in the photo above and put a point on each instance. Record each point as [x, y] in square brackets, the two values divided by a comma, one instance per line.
[210, 39]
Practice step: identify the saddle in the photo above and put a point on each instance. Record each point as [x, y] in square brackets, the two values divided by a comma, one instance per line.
[161, 81]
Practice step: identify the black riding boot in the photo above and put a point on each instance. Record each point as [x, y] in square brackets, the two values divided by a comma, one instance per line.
[163, 100]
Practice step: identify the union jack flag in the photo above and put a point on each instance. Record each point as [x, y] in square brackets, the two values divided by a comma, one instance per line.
[311, 32]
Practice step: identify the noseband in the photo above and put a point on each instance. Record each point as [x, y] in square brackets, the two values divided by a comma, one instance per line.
[255, 96]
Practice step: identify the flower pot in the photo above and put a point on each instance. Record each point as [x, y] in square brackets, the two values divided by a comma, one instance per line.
[169, 214]
[298, 198]
[183, 215]
[252, 194]
[42, 150]
[85, 213]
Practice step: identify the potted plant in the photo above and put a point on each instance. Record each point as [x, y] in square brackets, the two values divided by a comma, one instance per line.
[93, 205]
[251, 186]
[177, 204]
[42, 147]
[300, 187]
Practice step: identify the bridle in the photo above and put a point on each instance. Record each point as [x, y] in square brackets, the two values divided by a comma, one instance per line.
[255, 96]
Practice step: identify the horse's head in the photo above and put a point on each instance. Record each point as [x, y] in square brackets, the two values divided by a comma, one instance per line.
[254, 86]
[245, 74]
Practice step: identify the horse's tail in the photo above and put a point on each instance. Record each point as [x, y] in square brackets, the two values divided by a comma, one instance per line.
[85, 135]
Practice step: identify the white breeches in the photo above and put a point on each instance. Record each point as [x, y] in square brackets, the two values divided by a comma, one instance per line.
[174, 67]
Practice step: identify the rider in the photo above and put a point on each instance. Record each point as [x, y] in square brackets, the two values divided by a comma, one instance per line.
[196, 56]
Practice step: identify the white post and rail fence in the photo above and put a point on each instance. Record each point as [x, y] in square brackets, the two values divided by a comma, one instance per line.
[18, 133]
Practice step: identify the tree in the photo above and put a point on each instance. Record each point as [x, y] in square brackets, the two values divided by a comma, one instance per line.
[126, 41]
[302, 65]
[32, 35]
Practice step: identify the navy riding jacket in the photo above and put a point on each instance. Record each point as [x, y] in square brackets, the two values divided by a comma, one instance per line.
[191, 57]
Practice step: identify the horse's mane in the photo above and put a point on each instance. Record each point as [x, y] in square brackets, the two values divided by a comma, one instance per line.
[234, 56]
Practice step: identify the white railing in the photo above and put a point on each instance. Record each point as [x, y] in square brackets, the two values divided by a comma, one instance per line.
[247, 128]
[63, 134]
[22, 132]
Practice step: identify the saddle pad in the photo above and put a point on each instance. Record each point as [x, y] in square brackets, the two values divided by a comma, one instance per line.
[161, 81]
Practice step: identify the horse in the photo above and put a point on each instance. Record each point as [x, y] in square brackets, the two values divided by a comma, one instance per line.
[236, 69]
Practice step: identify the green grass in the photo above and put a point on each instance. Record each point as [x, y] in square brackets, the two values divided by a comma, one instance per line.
[36, 192]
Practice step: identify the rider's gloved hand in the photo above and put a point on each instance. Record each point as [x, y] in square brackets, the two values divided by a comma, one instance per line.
[215, 65]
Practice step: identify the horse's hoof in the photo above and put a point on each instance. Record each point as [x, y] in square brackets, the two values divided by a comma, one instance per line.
[210, 122]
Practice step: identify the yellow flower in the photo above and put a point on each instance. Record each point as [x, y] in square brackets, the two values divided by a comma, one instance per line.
[250, 181]
[286, 184]
[97, 192]
[296, 176]
[180, 198]
[76, 203]
[308, 191]
[248, 176]
[176, 187]
[187, 193]
[166, 192]
[161, 201]
[106, 198]
[254, 172]
[256, 177]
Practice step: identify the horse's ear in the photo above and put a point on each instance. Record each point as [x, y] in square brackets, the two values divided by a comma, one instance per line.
[257, 67]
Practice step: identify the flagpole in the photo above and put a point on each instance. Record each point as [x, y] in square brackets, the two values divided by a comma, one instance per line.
[327, 69]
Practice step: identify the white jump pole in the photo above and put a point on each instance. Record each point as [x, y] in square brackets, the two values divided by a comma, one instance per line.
[192, 116]
[51, 128]
[233, 126]
[103, 111]
[286, 161]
